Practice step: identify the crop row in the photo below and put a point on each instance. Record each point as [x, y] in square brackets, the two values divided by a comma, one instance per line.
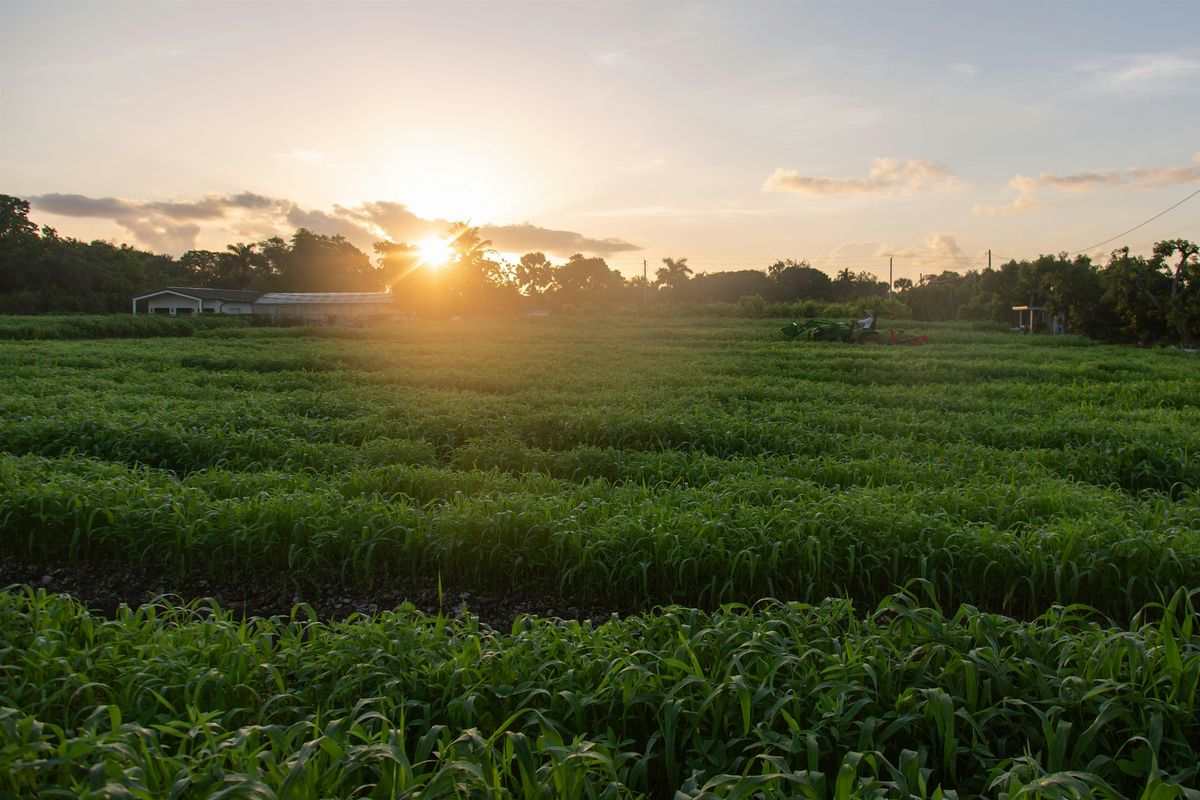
[1122, 418]
[781, 700]
[1008, 547]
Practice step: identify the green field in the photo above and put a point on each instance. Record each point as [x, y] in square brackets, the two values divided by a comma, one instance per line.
[969, 567]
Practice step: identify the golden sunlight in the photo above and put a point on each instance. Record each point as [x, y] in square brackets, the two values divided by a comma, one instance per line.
[434, 251]
[449, 181]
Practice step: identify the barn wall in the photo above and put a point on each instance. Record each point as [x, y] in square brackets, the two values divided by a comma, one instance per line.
[171, 301]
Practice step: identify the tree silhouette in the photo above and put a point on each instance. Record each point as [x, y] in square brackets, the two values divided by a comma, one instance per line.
[1180, 304]
[242, 265]
[674, 274]
[534, 274]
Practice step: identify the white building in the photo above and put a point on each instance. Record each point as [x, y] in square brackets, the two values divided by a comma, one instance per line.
[344, 307]
[352, 307]
[176, 300]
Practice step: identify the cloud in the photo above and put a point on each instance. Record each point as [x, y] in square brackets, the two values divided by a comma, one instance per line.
[1135, 177]
[161, 225]
[393, 220]
[1148, 73]
[162, 235]
[77, 205]
[964, 70]
[330, 225]
[1154, 178]
[1079, 182]
[888, 176]
[940, 249]
[1132, 177]
[1021, 205]
[525, 237]
[175, 226]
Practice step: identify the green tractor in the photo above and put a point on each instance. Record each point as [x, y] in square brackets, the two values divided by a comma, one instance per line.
[820, 329]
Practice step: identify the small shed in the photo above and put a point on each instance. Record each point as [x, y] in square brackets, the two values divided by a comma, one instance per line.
[179, 300]
[326, 306]
[1035, 318]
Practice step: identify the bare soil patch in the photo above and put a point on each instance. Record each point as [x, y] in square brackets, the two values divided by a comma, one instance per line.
[105, 586]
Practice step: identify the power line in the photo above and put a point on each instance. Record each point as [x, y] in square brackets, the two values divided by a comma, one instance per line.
[1165, 236]
[1139, 225]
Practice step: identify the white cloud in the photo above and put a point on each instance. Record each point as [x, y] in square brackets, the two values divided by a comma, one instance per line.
[1132, 177]
[888, 176]
[964, 70]
[1021, 205]
[173, 226]
[940, 249]
[1147, 73]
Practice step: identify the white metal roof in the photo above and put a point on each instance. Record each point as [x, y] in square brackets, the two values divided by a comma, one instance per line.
[294, 298]
[224, 295]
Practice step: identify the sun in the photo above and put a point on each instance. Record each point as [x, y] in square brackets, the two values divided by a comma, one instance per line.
[434, 252]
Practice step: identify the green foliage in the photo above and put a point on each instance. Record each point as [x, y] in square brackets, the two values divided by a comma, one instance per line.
[702, 462]
[775, 701]
[711, 463]
[111, 326]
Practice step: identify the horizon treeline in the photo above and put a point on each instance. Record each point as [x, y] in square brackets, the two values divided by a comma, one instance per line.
[1129, 299]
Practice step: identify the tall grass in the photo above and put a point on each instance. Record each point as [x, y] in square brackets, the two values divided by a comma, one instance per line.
[775, 701]
[711, 462]
[690, 462]
[110, 326]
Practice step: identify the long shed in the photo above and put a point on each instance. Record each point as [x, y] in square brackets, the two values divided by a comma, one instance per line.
[326, 306]
[177, 300]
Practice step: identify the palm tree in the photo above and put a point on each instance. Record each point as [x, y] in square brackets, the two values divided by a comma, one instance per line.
[675, 273]
[534, 274]
[468, 248]
[241, 265]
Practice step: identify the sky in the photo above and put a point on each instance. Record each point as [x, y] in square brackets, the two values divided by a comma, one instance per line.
[732, 134]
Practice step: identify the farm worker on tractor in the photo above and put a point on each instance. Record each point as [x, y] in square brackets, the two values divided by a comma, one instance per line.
[868, 321]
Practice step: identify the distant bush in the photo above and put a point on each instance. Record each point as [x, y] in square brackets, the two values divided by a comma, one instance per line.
[756, 307]
[109, 326]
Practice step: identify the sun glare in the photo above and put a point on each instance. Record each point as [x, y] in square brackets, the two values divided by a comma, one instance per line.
[434, 252]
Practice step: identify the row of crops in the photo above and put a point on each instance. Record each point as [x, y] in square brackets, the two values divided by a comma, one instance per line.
[1032, 500]
[779, 701]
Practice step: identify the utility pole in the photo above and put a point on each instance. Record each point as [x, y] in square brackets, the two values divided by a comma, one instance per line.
[645, 285]
[989, 259]
[891, 283]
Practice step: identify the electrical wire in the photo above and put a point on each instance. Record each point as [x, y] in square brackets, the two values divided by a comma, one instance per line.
[1135, 227]
[1165, 236]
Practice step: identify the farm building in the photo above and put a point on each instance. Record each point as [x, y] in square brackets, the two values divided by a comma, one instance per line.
[1038, 319]
[326, 306]
[308, 306]
[175, 300]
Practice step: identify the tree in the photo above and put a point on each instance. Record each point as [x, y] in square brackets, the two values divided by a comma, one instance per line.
[1181, 306]
[21, 250]
[799, 280]
[203, 267]
[1073, 288]
[586, 279]
[674, 274]
[534, 274]
[242, 267]
[14, 218]
[730, 286]
[319, 263]
[397, 260]
[849, 286]
[902, 285]
[1133, 287]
